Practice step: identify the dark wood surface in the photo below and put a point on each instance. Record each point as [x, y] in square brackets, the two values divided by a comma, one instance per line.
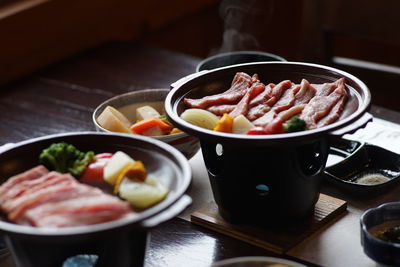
[62, 97]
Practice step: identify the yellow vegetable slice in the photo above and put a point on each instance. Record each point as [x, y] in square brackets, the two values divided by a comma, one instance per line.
[224, 124]
[133, 171]
[143, 194]
[200, 117]
[113, 120]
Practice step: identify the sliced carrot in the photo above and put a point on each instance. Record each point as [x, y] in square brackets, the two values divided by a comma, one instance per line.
[134, 171]
[144, 125]
[224, 124]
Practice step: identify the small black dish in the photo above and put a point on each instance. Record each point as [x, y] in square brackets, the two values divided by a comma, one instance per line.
[362, 165]
[378, 219]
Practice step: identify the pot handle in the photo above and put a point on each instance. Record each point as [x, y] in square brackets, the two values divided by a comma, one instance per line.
[360, 123]
[186, 78]
[171, 212]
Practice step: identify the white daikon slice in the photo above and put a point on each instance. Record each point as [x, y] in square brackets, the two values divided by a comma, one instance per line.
[146, 112]
[113, 120]
[241, 125]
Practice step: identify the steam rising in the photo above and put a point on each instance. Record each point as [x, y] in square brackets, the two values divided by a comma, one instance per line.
[244, 22]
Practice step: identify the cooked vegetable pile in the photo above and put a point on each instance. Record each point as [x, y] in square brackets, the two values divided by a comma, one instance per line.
[149, 122]
[125, 176]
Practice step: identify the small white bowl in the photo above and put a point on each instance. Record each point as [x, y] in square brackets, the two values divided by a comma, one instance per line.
[127, 103]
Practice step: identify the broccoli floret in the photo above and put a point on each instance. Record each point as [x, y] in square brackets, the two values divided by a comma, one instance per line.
[63, 157]
[294, 124]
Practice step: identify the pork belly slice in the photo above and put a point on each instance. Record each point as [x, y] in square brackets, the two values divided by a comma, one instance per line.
[243, 106]
[320, 106]
[293, 111]
[240, 84]
[266, 118]
[287, 99]
[263, 96]
[258, 109]
[82, 210]
[326, 89]
[30, 174]
[62, 190]
[334, 114]
[30, 186]
[220, 110]
[305, 93]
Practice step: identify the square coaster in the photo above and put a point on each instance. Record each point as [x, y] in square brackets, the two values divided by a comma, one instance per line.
[278, 240]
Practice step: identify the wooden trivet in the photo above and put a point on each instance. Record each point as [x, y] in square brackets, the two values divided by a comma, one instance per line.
[278, 240]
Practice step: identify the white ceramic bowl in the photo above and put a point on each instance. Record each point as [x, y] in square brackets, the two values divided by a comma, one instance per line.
[127, 103]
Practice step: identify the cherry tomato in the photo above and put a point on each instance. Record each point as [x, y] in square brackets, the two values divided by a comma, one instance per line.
[94, 171]
[256, 131]
[274, 127]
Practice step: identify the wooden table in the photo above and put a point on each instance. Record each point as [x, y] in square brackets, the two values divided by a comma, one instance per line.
[62, 98]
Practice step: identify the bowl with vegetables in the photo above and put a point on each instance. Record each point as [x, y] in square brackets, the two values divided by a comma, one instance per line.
[142, 113]
[380, 233]
[88, 193]
[264, 129]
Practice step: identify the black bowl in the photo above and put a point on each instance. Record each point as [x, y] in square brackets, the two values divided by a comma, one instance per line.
[383, 252]
[117, 243]
[360, 159]
[267, 178]
[237, 57]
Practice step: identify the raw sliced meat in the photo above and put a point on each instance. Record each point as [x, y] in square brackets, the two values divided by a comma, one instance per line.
[58, 200]
[29, 186]
[83, 210]
[305, 94]
[320, 106]
[287, 99]
[240, 84]
[263, 96]
[334, 114]
[220, 110]
[30, 174]
[258, 109]
[243, 106]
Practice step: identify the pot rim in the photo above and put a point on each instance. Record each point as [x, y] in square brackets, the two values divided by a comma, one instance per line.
[160, 210]
[236, 53]
[172, 101]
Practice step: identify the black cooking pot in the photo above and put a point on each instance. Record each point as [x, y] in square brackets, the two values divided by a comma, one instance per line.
[116, 243]
[267, 178]
[236, 57]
